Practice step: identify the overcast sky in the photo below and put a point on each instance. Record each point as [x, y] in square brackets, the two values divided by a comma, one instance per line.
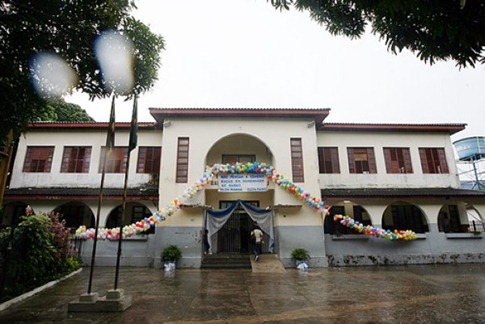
[244, 53]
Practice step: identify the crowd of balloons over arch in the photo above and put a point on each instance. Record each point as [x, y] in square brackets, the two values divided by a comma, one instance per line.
[236, 168]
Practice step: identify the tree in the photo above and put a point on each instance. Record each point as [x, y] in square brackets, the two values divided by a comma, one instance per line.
[435, 30]
[59, 110]
[68, 29]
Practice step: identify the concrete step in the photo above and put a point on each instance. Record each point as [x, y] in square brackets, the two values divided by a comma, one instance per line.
[226, 261]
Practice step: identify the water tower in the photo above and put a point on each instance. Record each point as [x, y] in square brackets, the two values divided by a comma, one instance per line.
[471, 151]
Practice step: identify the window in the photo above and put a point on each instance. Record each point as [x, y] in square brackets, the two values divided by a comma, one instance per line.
[149, 159]
[361, 160]
[116, 161]
[328, 160]
[433, 160]
[297, 160]
[398, 160]
[182, 160]
[38, 159]
[233, 158]
[76, 159]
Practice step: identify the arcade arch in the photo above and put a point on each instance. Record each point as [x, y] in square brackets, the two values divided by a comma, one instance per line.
[233, 237]
[402, 215]
[12, 213]
[475, 219]
[75, 214]
[134, 212]
[349, 208]
[239, 147]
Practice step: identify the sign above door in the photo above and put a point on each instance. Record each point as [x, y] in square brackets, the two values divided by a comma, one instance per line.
[248, 182]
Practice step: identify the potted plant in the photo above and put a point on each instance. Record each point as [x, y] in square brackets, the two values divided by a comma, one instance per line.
[170, 256]
[301, 257]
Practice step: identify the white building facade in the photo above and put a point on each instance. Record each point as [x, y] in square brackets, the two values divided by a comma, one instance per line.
[393, 176]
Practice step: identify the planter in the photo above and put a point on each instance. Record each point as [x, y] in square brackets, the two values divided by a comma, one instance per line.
[301, 257]
[169, 266]
[169, 256]
[302, 264]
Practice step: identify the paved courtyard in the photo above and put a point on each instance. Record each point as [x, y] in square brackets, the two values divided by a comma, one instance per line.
[404, 294]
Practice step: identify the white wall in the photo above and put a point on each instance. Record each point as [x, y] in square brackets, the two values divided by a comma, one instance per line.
[72, 137]
[378, 141]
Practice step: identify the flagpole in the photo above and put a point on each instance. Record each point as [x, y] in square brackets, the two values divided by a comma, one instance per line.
[131, 146]
[107, 152]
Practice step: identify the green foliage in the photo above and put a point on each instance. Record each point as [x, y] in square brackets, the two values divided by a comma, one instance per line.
[33, 251]
[59, 110]
[40, 251]
[433, 30]
[171, 254]
[300, 254]
[68, 29]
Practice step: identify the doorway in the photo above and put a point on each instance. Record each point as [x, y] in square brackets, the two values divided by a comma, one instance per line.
[234, 236]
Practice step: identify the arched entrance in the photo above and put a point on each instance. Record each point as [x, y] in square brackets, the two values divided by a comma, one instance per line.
[228, 229]
[234, 236]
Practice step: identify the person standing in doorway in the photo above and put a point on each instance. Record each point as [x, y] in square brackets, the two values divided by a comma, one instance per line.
[257, 235]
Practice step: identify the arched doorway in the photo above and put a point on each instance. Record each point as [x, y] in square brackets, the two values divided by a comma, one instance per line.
[234, 236]
[228, 230]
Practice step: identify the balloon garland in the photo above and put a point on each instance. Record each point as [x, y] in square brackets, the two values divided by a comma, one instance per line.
[210, 172]
[375, 231]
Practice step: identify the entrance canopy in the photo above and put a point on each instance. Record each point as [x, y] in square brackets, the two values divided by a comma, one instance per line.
[215, 219]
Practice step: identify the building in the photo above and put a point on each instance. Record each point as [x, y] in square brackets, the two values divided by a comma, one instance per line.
[390, 176]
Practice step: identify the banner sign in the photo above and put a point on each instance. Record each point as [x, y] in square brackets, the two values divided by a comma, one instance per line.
[248, 182]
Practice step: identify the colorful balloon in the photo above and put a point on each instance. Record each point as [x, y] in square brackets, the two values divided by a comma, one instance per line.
[207, 176]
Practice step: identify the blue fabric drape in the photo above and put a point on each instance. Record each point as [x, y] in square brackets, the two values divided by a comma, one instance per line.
[215, 219]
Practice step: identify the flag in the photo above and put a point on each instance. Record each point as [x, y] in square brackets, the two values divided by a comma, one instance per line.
[110, 140]
[134, 125]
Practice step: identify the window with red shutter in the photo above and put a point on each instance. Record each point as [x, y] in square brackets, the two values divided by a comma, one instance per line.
[297, 160]
[149, 159]
[182, 160]
[398, 160]
[361, 160]
[38, 159]
[76, 159]
[433, 160]
[328, 160]
[116, 160]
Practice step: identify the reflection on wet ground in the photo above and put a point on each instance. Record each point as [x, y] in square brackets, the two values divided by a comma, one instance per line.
[404, 294]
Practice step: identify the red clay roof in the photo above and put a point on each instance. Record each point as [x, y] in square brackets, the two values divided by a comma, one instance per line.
[371, 127]
[133, 194]
[318, 114]
[86, 125]
[340, 193]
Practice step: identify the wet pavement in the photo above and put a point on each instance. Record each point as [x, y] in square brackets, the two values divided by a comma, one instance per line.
[400, 294]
